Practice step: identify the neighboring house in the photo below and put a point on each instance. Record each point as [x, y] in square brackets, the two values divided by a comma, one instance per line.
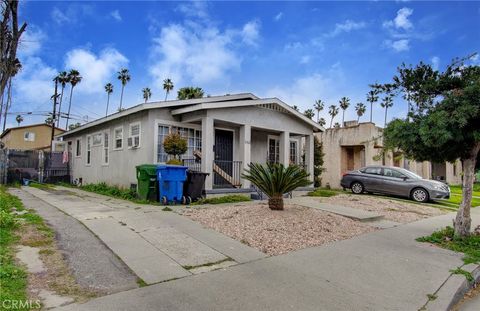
[224, 134]
[360, 144]
[29, 137]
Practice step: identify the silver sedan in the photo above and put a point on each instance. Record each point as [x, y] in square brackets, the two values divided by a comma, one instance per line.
[394, 181]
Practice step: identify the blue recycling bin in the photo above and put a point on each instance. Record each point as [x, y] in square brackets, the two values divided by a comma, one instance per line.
[170, 183]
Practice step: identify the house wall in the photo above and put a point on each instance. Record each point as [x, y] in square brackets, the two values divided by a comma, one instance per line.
[15, 139]
[121, 167]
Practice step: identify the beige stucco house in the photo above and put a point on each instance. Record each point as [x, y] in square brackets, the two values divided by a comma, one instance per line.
[29, 137]
[224, 134]
[360, 144]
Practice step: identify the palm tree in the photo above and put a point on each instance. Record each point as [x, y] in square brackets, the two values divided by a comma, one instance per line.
[167, 86]
[190, 92]
[124, 77]
[322, 122]
[386, 103]
[344, 103]
[309, 113]
[19, 119]
[318, 107]
[74, 78]
[63, 79]
[295, 107]
[275, 180]
[372, 97]
[333, 111]
[360, 108]
[109, 90]
[147, 93]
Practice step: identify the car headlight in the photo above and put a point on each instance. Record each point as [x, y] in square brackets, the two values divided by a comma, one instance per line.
[441, 187]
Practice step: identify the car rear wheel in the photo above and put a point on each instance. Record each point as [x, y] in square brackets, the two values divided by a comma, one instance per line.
[420, 195]
[357, 187]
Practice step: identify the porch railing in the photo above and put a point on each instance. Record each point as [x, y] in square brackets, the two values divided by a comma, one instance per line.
[193, 164]
[227, 174]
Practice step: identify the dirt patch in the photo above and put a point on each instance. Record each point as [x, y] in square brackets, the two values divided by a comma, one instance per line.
[277, 232]
[391, 209]
[474, 293]
[57, 277]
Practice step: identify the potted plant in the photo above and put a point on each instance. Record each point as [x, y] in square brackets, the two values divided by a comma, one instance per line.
[175, 146]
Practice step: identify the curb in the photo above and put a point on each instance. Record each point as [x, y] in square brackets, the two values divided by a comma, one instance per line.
[454, 289]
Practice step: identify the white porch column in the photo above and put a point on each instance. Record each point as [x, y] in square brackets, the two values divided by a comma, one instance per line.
[208, 135]
[285, 148]
[245, 150]
[309, 155]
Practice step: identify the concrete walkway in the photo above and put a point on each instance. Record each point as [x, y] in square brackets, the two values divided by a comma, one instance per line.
[383, 270]
[156, 245]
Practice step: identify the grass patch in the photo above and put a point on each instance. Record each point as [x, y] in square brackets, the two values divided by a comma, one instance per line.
[141, 283]
[234, 198]
[13, 278]
[112, 191]
[323, 193]
[465, 273]
[444, 238]
[41, 186]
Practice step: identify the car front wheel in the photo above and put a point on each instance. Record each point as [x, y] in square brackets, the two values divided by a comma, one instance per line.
[357, 188]
[420, 195]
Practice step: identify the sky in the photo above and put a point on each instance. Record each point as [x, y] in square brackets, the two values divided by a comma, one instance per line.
[296, 51]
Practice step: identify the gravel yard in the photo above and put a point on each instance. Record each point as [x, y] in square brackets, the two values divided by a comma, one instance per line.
[391, 209]
[277, 232]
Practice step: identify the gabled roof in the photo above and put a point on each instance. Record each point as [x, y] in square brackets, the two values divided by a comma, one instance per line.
[213, 102]
[28, 126]
[162, 104]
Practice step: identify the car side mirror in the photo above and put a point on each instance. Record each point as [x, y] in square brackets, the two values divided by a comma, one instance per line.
[405, 178]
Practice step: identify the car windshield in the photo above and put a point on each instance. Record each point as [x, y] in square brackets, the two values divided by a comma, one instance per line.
[410, 174]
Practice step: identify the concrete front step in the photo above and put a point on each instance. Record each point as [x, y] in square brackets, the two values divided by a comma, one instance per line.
[353, 213]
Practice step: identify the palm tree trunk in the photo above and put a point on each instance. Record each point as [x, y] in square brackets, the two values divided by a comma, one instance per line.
[8, 103]
[108, 102]
[331, 122]
[385, 122]
[121, 98]
[1, 107]
[166, 95]
[69, 106]
[318, 115]
[463, 221]
[60, 107]
[371, 112]
[343, 118]
[276, 203]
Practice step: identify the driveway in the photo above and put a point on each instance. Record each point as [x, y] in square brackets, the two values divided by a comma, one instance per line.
[156, 245]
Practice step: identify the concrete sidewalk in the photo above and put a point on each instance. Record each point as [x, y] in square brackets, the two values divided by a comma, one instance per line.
[383, 270]
[156, 245]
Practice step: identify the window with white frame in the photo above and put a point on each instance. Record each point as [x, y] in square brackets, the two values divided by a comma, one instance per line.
[192, 136]
[29, 136]
[89, 150]
[78, 147]
[133, 140]
[293, 152]
[118, 135]
[105, 147]
[273, 150]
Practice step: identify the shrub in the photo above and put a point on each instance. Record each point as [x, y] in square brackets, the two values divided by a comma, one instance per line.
[174, 162]
[275, 180]
[175, 145]
[224, 199]
[7, 220]
[113, 191]
[322, 193]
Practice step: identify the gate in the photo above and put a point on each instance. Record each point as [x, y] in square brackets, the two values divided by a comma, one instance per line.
[16, 165]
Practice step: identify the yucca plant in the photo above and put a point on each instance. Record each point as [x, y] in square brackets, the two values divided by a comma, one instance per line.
[275, 180]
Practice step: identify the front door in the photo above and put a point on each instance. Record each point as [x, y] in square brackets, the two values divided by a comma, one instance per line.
[223, 155]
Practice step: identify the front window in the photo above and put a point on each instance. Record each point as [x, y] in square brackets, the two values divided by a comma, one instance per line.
[89, 149]
[392, 173]
[105, 148]
[293, 152]
[78, 149]
[118, 134]
[192, 136]
[273, 150]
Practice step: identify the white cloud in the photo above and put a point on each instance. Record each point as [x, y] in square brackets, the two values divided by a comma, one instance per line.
[435, 62]
[31, 41]
[58, 16]
[116, 15]
[197, 9]
[398, 45]
[278, 17]
[251, 32]
[305, 59]
[346, 26]
[401, 21]
[95, 70]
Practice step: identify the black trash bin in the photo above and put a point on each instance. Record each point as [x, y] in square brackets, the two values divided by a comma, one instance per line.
[194, 186]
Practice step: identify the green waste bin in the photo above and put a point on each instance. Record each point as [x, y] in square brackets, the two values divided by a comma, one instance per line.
[147, 186]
